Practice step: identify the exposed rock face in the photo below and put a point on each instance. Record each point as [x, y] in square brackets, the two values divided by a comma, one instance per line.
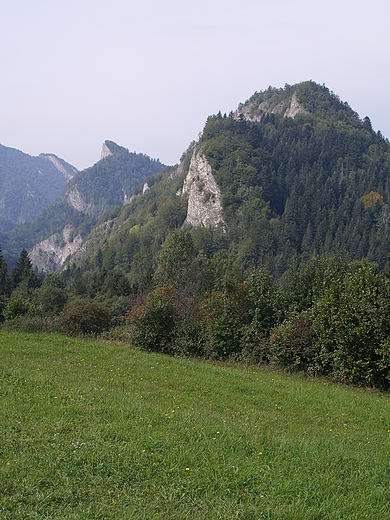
[250, 112]
[105, 152]
[177, 172]
[254, 113]
[204, 195]
[145, 188]
[75, 200]
[51, 253]
[68, 173]
[295, 108]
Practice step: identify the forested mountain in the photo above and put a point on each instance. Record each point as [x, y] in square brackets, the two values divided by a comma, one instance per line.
[296, 172]
[96, 190]
[268, 243]
[29, 184]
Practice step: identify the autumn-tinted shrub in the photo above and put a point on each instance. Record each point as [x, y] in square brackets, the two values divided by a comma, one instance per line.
[86, 316]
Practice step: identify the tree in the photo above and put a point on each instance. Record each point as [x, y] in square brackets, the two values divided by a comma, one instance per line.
[23, 270]
[4, 278]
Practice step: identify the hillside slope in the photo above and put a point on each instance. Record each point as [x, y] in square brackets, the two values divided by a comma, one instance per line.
[292, 173]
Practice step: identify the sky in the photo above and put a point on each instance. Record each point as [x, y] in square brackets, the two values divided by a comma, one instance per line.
[147, 74]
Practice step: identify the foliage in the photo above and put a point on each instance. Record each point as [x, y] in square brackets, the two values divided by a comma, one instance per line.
[85, 316]
[222, 316]
[51, 295]
[151, 319]
[293, 344]
[18, 306]
[352, 324]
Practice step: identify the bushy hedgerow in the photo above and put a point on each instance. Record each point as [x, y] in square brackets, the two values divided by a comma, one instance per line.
[222, 315]
[28, 324]
[85, 316]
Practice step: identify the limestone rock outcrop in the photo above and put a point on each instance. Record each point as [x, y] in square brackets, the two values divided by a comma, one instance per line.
[295, 108]
[68, 172]
[251, 111]
[75, 199]
[204, 195]
[105, 152]
[51, 253]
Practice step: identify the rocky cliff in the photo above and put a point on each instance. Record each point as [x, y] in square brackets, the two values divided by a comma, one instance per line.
[204, 195]
[51, 253]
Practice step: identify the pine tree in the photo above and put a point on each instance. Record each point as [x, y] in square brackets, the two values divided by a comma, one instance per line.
[4, 278]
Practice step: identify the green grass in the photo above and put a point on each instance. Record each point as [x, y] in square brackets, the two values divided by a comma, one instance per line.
[93, 430]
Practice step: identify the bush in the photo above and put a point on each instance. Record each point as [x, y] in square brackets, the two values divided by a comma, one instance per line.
[222, 315]
[292, 344]
[86, 316]
[151, 319]
[28, 323]
[18, 306]
[51, 296]
[352, 324]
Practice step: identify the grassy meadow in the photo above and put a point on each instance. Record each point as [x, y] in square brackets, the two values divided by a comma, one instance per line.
[93, 430]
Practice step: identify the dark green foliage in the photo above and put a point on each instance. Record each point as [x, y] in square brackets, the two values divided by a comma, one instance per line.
[51, 296]
[85, 316]
[18, 306]
[152, 320]
[4, 278]
[223, 316]
[292, 344]
[352, 325]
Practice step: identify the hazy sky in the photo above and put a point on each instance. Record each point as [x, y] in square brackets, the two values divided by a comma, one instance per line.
[146, 74]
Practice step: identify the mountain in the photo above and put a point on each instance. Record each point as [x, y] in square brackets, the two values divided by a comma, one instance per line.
[57, 230]
[29, 184]
[291, 173]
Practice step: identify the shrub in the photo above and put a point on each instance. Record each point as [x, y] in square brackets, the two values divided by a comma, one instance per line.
[18, 306]
[292, 344]
[28, 323]
[86, 316]
[151, 319]
[222, 315]
[51, 295]
[352, 324]
[265, 301]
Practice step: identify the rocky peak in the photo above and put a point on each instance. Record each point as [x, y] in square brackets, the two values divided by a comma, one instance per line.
[105, 151]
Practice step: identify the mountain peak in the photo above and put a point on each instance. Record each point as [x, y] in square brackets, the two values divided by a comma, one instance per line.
[105, 151]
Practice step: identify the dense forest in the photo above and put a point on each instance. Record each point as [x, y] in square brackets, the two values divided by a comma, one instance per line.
[299, 276]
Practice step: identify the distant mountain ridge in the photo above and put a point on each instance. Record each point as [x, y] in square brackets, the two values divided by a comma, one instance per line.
[28, 184]
[88, 195]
